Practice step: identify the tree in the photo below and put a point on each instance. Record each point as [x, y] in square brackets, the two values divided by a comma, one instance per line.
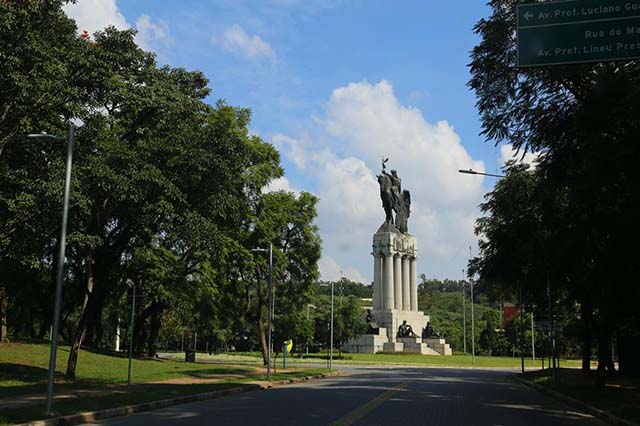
[285, 221]
[167, 194]
[489, 337]
[583, 119]
[350, 320]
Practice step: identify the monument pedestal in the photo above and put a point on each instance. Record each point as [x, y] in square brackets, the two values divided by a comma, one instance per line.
[416, 345]
[367, 343]
[395, 298]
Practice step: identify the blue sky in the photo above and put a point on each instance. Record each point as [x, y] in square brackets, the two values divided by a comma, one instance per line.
[334, 85]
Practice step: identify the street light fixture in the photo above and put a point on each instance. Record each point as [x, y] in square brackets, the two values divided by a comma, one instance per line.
[61, 256]
[270, 320]
[473, 172]
[473, 350]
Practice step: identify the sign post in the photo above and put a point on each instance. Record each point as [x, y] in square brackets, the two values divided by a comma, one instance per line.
[577, 31]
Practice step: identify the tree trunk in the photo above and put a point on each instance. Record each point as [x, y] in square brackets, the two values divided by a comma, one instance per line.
[4, 307]
[604, 356]
[156, 323]
[587, 314]
[140, 329]
[260, 299]
[72, 363]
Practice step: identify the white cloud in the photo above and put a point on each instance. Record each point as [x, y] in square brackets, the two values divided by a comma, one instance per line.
[508, 153]
[331, 271]
[364, 122]
[280, 184]
[152, 33]
[234, 39]
[297, 150]
[95, 15]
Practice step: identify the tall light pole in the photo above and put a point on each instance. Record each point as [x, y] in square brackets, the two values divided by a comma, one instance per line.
[61, 256]
[331, 338]
[133, 316]
[270, 301]
[473, 351]
[473, 326]
[473, 338]
[464, 316]
[533, 337]
[309, 305]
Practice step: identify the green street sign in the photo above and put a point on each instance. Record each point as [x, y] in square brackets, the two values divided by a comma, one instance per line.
[576, 31]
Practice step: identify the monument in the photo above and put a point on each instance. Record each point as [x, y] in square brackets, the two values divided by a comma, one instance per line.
[399, 324]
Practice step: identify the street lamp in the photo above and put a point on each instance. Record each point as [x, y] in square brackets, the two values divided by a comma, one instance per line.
[473, 351]
[473, 172]
[464, 316]
[131, 284]
[331, 338]
[270, 320]
[61, 255]
[309, 305]
[331, 330]
[473, 326]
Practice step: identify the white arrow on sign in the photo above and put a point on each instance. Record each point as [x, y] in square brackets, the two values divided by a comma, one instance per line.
[528, 15]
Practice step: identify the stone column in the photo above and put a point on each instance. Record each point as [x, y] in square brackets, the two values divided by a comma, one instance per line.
[397, 280]
[377, 281]
[414, 284]
[406, 284]
[387, 292]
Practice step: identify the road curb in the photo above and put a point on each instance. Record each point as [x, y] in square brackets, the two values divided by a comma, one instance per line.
[92, 416]
[596, 412]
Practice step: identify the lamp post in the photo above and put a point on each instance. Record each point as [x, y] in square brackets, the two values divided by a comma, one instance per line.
[61, 256]
[473, 326]
[473, 338]
[464, 316]
[330, 329]
[270, 320]
[133, 315]
[331, 337]
[473, 352]
[309, 305]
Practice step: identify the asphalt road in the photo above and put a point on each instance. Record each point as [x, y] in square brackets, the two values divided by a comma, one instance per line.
[378, 396]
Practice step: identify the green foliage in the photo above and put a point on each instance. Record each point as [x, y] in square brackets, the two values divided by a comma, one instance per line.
[570, 222]
[345, 287]
[166, 195]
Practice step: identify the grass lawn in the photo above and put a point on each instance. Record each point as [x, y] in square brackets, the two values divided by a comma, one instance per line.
[457, 360]
[23, 370]
[621, 395]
